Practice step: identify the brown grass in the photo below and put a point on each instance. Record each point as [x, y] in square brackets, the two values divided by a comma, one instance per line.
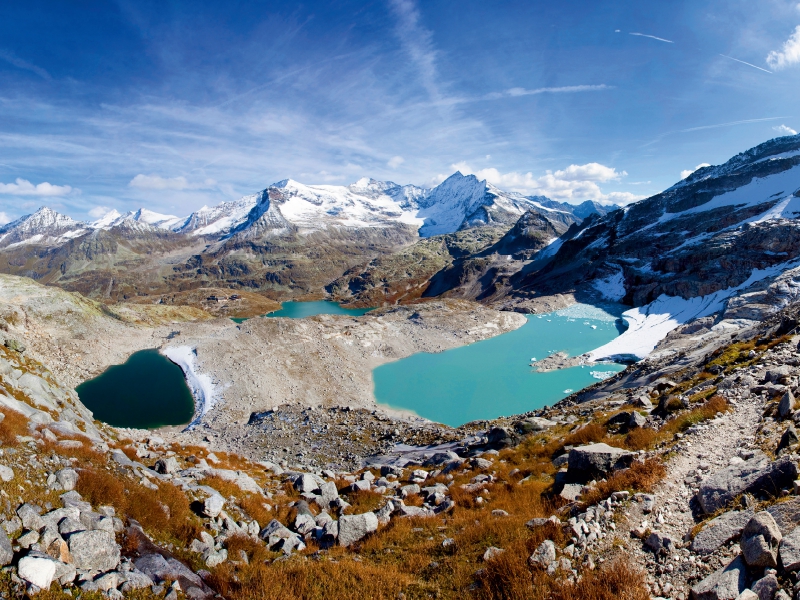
[641, 438]
[14, 424]
[366, 500]
[588, 434]
[640, 477]
[615, 580]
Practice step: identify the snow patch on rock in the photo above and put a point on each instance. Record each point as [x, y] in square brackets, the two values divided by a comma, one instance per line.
[200, 384]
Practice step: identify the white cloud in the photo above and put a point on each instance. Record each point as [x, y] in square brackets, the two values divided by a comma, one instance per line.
[99, 211]
[788, 55]
[156, 182]
[418, 43]
[687, 172]
[4, 218]
[23, 187]
[395, 162]
[784, 130]
[574, 183]
[652, 37]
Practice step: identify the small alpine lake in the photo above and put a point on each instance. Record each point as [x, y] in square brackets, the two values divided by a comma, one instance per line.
[494, 377]
[146, 392]
[299, 310]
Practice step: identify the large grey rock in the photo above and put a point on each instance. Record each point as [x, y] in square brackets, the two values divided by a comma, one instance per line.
[778, 374]
[352, 528]
[786, 514]
[789, 438]
[725, 584]
[213, 505]
[766, 587]
[598, 459]
[786, 405]
[305, 483]
[6, 473]
[167, 466]
[328, 493]
[37, 570]
[67, 479]
[94, 550]
[760, 540]
[637, 420]
[544, 555]
[6, 553]
[659, 543]
[720, 531]
[757, 475]
[533, 424]
[30, 517]
[789, 551]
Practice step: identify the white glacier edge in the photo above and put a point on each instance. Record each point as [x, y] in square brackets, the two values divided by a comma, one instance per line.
[651, 323]
[200, 384]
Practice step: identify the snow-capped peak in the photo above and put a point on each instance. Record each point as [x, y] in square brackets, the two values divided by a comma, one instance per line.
[43, 226]
[107, 220]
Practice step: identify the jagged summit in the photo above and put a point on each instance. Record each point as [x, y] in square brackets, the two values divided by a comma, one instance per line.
[43, 226]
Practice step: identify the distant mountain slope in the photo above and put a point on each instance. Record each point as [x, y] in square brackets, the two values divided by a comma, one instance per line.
[45, 226]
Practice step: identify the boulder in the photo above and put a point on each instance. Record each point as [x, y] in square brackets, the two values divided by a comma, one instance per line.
[786, 405]
[491, 553]
[725, 584]
[789, 551]
[305, 483]
[786, 514]
[760, 540]
[779, 374]
[94, 550]
[598, 460]
[501, 437]
[36, 570]
[328, 493]
[571, 491]
[544, 555]
[789, 438]
[6, 473]
[753, 476]
[720, 531]
[6, 553]
[67, 479]
[660, 543]
[637, 420]
[440, 458]
[166, 466]
[352, 528]
[533, 424]
[213, 505]
[766, 587]
[30, 517]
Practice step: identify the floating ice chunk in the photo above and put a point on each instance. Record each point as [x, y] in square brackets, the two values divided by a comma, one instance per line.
[568, 391]
[601, 375]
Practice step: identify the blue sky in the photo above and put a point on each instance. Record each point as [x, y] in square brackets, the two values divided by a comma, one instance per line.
[171, 105]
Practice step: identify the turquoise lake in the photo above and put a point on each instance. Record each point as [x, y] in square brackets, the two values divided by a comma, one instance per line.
[146, 392]
[298, 310]
[493, 377]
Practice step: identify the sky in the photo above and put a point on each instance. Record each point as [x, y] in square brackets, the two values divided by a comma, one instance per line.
[171, 105]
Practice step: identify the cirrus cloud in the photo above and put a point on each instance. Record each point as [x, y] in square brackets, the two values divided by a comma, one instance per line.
[574, 183]
[23, 187]
[156, 182]
[788, 55]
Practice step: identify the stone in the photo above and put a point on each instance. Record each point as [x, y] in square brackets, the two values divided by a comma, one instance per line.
[166, 466]
[135, 580]
[766, 587]
[30, 517]
[598, 460]
[725, 584]
[753, 476]
[353, 528]
[214, 559]
[491, 553]
[108, 581]
[533, 424]
[778, 374]
[384, 513]
[6, 473]
[213, 505]
[501, 437]
[789, 438]
[480, 463]
[94, 550]
[637, 420]
[67, 479]
[786, 405]
[544, 555]
[561, 461]
[660, 543]
[720, 531]
[68, 526]
[789, 551]
[571, 491]
[642, 402]
[747, 595]
[782, 595]
[38, 571]
[786, 514]
[328, 493]
[14, 345]
[305, 483]
[441, 458]
[760, 540]
[6, 552]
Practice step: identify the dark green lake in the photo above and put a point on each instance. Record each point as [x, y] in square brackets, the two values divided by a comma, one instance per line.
[298, 310]
[146, 392]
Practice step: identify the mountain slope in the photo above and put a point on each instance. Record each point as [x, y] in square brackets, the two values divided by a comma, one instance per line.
[45, 226]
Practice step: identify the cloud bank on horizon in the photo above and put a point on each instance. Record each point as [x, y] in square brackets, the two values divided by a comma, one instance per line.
[175, 106]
